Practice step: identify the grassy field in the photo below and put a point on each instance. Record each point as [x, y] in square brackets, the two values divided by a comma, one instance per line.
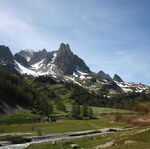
[142, 140]
[64, 125]
[26, 123]
[19, 118]
[100, 110]
[27, 117]
[61, 126]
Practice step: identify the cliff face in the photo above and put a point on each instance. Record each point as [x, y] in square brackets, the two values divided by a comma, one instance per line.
[67, 62]
[7, 62]
[21, 60]
[117, 78]
[103, 75]
[6, 55]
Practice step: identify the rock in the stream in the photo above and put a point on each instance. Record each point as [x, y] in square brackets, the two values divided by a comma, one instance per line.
[74, 146]
[106, 145]
[4, 143]
[129, 142]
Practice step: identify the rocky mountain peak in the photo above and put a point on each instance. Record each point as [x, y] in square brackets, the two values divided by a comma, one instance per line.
[67, 62]
[38, 56]
[64, 48]
[117, 78]
[62, 45]
[103, 75]
[67, 46]
[44, 51]
[21, 60]
[27, 54]
[7, 62]
[5, 54]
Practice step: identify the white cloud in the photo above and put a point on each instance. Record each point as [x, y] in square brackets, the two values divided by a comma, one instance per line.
[15, 31]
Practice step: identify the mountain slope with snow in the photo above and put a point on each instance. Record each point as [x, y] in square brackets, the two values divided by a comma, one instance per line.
[60, 62]
[67, 66]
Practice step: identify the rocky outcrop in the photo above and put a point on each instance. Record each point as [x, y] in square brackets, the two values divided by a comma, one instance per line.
[27, 54]
[103, 75]
[6, 55]
[61, 62]
[38, 56]
[106, 145]
[21, 60]
[7, 62]
[117, 78]
[67, 63]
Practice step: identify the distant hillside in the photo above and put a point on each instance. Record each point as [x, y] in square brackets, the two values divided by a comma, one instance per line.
[67, 92]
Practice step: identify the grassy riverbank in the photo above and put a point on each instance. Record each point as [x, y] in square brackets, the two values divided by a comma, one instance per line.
[139, 140]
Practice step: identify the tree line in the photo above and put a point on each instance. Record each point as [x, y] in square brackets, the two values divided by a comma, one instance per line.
[15, 91]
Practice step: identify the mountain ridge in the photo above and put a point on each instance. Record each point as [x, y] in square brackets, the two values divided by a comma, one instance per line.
[64, 64]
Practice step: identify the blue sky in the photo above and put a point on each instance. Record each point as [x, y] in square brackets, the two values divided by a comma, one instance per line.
[110, 35]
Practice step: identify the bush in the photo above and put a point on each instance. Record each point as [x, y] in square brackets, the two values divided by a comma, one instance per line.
[36, 129]
[75, 110]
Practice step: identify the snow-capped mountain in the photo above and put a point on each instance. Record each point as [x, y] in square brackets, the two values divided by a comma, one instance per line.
[27, 54]
[67, 66]
[60, 62]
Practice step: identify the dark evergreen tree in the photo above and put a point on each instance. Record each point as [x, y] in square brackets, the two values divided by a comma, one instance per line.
[75, 110]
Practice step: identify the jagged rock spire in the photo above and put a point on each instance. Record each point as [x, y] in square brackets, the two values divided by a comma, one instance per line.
[64, 48]
[103, 75]
[117, 78]
[5, 54]
[67, 62]
[7, 62]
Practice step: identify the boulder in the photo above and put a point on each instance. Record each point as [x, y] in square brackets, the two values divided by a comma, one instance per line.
[106, 145]
[129, 142]
[74, 146]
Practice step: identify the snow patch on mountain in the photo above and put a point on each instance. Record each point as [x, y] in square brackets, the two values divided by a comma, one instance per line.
[52, 65]
[82, 73]
[36, 66]
[23, 70]
[82, 77]
[76, 75]
[132, 87]
[40, 73]
[28, 58]
[72, 79]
